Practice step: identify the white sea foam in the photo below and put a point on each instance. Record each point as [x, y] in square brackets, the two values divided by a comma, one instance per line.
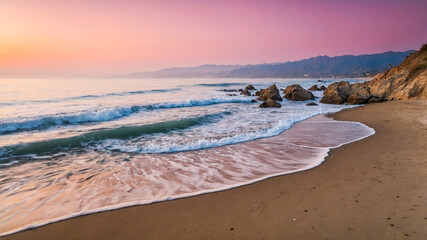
[101, 115]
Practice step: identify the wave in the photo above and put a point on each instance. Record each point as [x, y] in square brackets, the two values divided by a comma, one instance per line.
[126, 132]
[102, 115]
[91, 96]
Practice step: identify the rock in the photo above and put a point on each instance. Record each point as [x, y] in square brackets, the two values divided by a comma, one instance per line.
[270, 93]
[231, 95]
[253, 101]
[240, 90]
[342, 92]
[336, 93]
[257, 93]
[270, 103]
[314, 88]
[230, 90]
[311, 104]
[322, 88]
[355, 99]
[296, 93]
[320, 80]
[250, 87]
[246, 92]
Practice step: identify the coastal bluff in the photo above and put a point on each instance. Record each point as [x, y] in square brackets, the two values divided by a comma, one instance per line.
[408, 80]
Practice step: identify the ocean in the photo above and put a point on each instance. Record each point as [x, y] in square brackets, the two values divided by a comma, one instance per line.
[70, 147]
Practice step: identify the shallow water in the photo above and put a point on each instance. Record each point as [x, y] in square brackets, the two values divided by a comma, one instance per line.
[71, 147]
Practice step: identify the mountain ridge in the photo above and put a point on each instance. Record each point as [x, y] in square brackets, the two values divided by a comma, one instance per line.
[322, 66]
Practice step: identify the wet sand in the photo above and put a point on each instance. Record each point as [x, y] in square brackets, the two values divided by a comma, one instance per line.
[371, 189]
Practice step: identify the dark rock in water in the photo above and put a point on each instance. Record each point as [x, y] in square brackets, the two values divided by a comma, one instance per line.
[311, 104]
[240, 90]
[270, 93]
[246, 92]
[322, 88]
[270, 103]
[230, 90]
[257, 93]
[296, 93]
[250, 87]
[320, 80]
[231, 94]
[253, 101]
[314, 88]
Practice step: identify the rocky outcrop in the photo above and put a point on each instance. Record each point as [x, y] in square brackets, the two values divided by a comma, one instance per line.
[314, 88]
[270, 103]
[322, 88]
[270, 93]
[342, 92]
[296, 93]
[246, 92]
[408, 80]
[250, 87]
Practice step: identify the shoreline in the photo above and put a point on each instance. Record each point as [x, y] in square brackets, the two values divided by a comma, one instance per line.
[183, 206]
[292, 132]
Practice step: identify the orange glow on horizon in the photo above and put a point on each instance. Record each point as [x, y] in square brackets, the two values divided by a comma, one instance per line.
[112, 38]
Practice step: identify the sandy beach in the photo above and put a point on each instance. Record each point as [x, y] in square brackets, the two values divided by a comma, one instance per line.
[370, 189]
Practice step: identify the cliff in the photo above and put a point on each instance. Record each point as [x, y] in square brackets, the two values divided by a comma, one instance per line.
[408, 80]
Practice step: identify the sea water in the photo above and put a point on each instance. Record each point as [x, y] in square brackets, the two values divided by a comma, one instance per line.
[75, 146]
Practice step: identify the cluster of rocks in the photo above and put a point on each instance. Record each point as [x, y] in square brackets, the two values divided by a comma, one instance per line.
[247, 90]
[344, 92]
[271, 95]
[408, 80]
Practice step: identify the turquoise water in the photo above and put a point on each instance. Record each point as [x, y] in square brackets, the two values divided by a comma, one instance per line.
[74, 146]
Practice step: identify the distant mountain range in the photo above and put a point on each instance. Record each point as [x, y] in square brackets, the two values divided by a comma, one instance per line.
[366, 65]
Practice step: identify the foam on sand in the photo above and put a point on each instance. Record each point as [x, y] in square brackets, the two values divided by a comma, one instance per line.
[70, 185]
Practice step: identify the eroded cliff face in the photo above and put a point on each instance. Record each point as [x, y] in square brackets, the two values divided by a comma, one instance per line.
[408, 80]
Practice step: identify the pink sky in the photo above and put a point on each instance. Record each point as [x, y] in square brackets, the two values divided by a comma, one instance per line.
[114, 37]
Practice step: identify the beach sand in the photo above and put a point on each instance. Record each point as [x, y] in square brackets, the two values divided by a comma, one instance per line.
[375, 188]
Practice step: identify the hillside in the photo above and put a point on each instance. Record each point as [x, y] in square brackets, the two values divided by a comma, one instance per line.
[366, 65]
[324, 66]
[207, 70]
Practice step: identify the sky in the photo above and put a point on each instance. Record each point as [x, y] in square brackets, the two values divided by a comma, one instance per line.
[101, 38]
